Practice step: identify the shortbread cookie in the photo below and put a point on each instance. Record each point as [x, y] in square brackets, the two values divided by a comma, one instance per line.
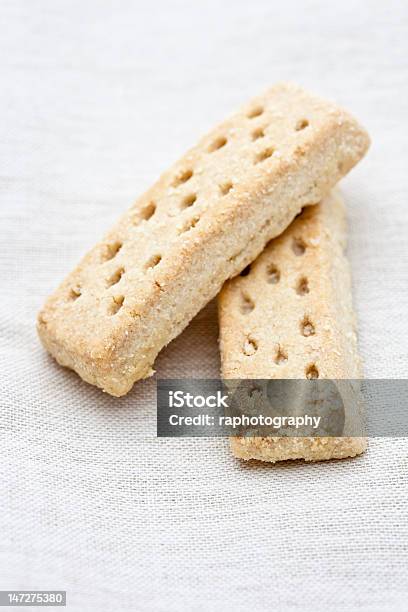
[203, 221]
[289, 315]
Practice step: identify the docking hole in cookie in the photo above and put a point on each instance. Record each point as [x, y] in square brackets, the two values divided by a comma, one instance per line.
[281, 356]
[250, 346]
[116, 304]
[312, 371]
[218, 143]
[255, 112]
[225, 188]
[115, 278]
[183, 177]
[298, 246]
[111, 250]
[301, 124]
[247, 305]
[189, 225]
[265, 154]
[189, 200]
[272, 274]
[306, 327]
[148, 211]
[153, 261]
[258, 133]
[74, 293]
[302, 287]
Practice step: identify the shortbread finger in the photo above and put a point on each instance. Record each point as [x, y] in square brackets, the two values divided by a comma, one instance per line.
[200, 224]
[291, 316]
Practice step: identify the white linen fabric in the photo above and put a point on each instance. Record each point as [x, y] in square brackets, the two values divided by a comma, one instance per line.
[98, 97]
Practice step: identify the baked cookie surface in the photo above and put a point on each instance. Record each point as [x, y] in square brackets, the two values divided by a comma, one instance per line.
[204, 220]
[290, 316]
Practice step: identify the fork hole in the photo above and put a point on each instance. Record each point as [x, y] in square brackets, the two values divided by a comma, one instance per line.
[182, 177]
[148, 211]
[115, 278]
[189, 200]
[281, 356]
[255, 112]
[74, 293]
[247, 304]
[312, 371]
[111, 250]
[153, 261]
[301, 124]
[298, 246]
[263, 155]
[218, 143]
[302, 287]
[272, 274]
[189, 225]
[226, 188]
[250, 346]
[116, 304]
[306, 327]
[258, 133]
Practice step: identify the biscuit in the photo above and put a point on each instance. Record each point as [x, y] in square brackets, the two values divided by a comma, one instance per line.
[290, 316]
[202, 222]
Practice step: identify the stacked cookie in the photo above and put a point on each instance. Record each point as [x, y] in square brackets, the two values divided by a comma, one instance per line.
[205, 220]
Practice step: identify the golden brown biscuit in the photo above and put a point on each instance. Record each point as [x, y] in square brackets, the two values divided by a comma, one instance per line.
[291, 316]
[202, 222]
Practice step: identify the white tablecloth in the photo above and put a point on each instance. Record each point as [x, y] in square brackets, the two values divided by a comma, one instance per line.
[97, 98]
